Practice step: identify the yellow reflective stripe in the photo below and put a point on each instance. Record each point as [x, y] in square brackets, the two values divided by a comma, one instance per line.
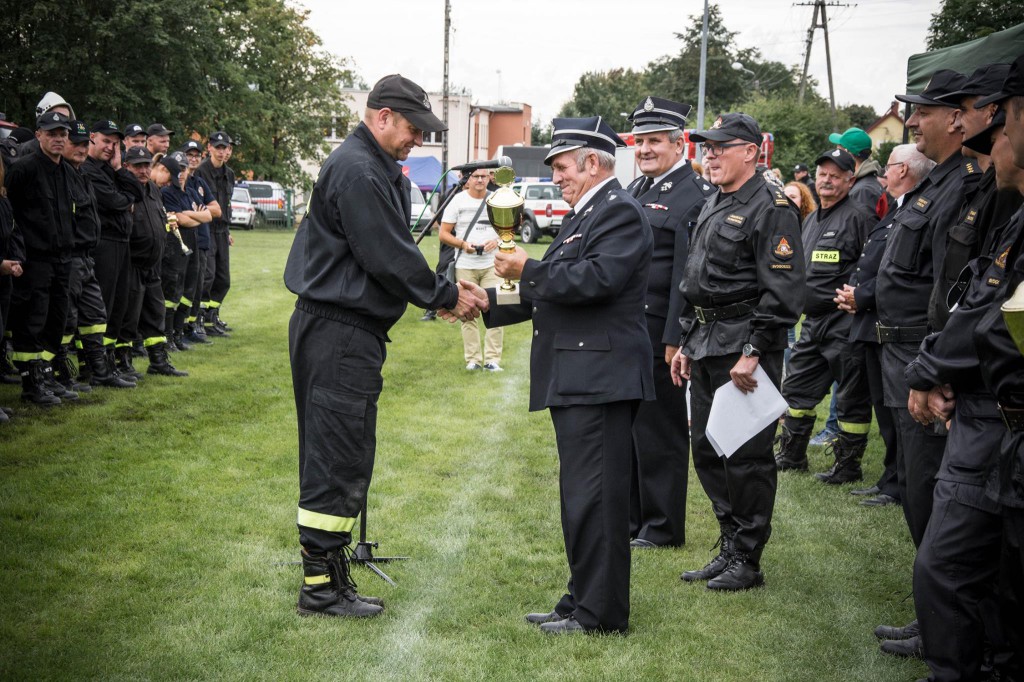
[25, 357]
[334, 524]
[824, 256]
[213, 304]
[78, 344]
[94, 329]
[317, 579]
[798, 414]
[186, 302]
[191, 318]
[67, 338]
[850, 427]
[123, 344]
[170, 304]
[202, 305]
[153, 340]
[107, 341]
[46, 355]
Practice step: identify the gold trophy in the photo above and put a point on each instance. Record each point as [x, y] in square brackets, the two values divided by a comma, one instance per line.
[1013, 315]
[505, 210]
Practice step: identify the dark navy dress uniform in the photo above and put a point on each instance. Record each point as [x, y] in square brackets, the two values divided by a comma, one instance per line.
[590, 365]
[661, 433]
[354, 267]
[743, 282]
[222, 183]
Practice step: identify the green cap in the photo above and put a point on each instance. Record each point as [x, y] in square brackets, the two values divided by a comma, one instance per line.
[854, 140]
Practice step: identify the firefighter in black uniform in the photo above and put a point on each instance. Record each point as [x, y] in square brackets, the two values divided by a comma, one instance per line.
[956, 569]
[909, 272]
[671, 195]
[744, 287]
[354, 267]
[220, 179]
[188, 324]
[590, 364]
[87, 316]
[833, 238]
[39, 188]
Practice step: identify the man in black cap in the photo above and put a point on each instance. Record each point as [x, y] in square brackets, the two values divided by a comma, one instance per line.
[744, 287]
[158, 138]
[354, 267]
[590, 364]
[801, 174]
[39, 190]
[220, 179]
[866, 190]
[87, 314]
[908, 278]
[671, 195]
[956, 569]
[833, 238]
[116, 190]
[188, 324]
[134, 136]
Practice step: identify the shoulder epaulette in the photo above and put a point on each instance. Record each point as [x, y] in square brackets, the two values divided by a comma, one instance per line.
[921, 204]
[970, 168]
[701, 183]
[780, 197]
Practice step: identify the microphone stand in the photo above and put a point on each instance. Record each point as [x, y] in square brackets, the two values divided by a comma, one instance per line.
[440, 209]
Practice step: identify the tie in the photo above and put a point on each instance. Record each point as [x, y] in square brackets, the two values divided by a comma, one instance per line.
[643, 186]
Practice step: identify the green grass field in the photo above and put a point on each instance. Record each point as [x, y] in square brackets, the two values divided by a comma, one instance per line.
[149, 534]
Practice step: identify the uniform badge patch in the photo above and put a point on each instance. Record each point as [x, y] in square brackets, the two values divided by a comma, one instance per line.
[783, 250]
[922, 203]
[656, 207]
[734, 219]
[718, 122]
[831, 256]
[665, 186]
[972, 215]
[649, 104]
[828, 234]
[573, 238]
[780, 198]
[1001, 261]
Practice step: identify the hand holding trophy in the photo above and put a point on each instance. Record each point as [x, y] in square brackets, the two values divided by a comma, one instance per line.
[505, 210]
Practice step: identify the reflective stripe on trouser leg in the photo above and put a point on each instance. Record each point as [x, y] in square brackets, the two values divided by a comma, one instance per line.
[854, 428]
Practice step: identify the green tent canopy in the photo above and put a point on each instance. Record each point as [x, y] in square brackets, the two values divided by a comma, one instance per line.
[1004, 46]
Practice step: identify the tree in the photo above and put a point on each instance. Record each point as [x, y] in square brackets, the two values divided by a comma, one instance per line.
[958, 21]
[858, 115]
[607, 94]
[540, 133]
[801, 130]
[883, 152]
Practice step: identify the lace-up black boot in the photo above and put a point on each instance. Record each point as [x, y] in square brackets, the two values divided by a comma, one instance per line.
[791, 451]
[328, 590]
[32, 388]
[742, 573]
[718, 564]
[849, 450]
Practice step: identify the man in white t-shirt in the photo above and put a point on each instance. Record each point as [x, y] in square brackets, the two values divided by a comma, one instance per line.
[475, 254]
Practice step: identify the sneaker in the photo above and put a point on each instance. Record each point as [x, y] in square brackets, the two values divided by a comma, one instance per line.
[825, 437]
[472, 366]
[429, 316]
[493, 367]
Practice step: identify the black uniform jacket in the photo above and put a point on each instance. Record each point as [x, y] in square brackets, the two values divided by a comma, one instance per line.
[222, 182]
[586, 299]
[353, 249]
[917, 247]
[833, 239]
[866, 192]
[87, 220]
[746, 246]
[116, 193]
[149, 228]
[40, 195]
[672, 207]
[865, 277]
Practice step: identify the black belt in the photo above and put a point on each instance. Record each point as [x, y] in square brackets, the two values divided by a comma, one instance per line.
[336, 313]
[900, 334]
[1013, 417]
[706, 315]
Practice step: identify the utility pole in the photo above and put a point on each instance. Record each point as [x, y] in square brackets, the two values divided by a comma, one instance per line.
[444, 100]
[819, 6]
[703, 77]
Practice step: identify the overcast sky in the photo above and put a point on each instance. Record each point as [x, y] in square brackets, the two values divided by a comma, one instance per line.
[534, 51]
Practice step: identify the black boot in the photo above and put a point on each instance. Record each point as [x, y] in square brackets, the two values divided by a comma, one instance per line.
[65, 372]
[716, 566]
[104, 369]
[53, 386]
[217, 322]
[327, 589]
[791, 453]
[180, 342]
[210, 325]
[197, 333]
[9, 374]
[159, 363]
[32, 388]
[123, 354]
[849, 450]
[742, 573]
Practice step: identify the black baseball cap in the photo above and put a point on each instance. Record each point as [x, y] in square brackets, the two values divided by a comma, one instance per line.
[158, 129]
[107, 127]
[985, 81]
[982, 142]
[171, 164]
[655, 114]
[1013, 85]
[192, 146]
[942, 83]
[52, 120]
[731, 126]
[574, 133]
[79, 132]
[801, 167]
[400, 94]
[138, 155]
[839, 157]
[133, 129]
[220, 139]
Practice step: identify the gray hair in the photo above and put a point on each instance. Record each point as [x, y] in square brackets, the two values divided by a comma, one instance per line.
[918, 165]
[605, 160]
[674, 135]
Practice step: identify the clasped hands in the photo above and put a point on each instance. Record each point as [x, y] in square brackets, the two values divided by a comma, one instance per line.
[927, 406]
[472, 302]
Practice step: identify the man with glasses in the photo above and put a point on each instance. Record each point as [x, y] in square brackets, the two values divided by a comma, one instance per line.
[744, 287]
[474, 248]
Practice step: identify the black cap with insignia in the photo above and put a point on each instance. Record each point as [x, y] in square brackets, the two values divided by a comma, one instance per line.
[984, 81]
[730, 126]
[107, 127]
[79, 132]
[138, 155]
[158, 129]
[574, 133]
[942, 83]
[839, 157]
[133, 129]
[171, 164]
[1012, 86]
[192, 146]
[220, 139]
[654, 115]
[400, 94]
[51, 120]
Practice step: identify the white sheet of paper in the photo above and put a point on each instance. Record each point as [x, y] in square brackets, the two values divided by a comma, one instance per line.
[736, 417]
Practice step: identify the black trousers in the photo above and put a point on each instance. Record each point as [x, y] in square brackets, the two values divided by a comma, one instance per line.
[819, 358]
[151, 311]
[1011, 584]
[136, 298]
[888, 482]
[87, 314]
[595, 449]
[742, 487]
[114, 273]
[661, 462]
[918, 457]
[220, 256]
[173, 269]
[336, 376]
[39, 309]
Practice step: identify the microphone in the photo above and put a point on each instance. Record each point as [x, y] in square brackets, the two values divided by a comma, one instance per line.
[477, 165]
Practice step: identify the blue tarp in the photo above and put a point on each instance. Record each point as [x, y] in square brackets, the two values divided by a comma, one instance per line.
[425, 171]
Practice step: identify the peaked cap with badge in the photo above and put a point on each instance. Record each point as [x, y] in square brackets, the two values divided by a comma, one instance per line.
[575, 133]
[655, 115]
[398, 93]
[942, 84]
[52, 120]
[736, 125]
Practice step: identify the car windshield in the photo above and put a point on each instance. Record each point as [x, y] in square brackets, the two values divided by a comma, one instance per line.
[417, 195]
[549, 192]
[260, 191]
[241, 194]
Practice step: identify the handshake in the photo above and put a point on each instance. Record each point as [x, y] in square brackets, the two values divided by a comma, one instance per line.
[472, 302]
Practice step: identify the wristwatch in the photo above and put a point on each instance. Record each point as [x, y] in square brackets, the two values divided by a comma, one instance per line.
[750, 352]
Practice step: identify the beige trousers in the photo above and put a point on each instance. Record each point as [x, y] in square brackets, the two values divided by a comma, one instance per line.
[470, 333]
